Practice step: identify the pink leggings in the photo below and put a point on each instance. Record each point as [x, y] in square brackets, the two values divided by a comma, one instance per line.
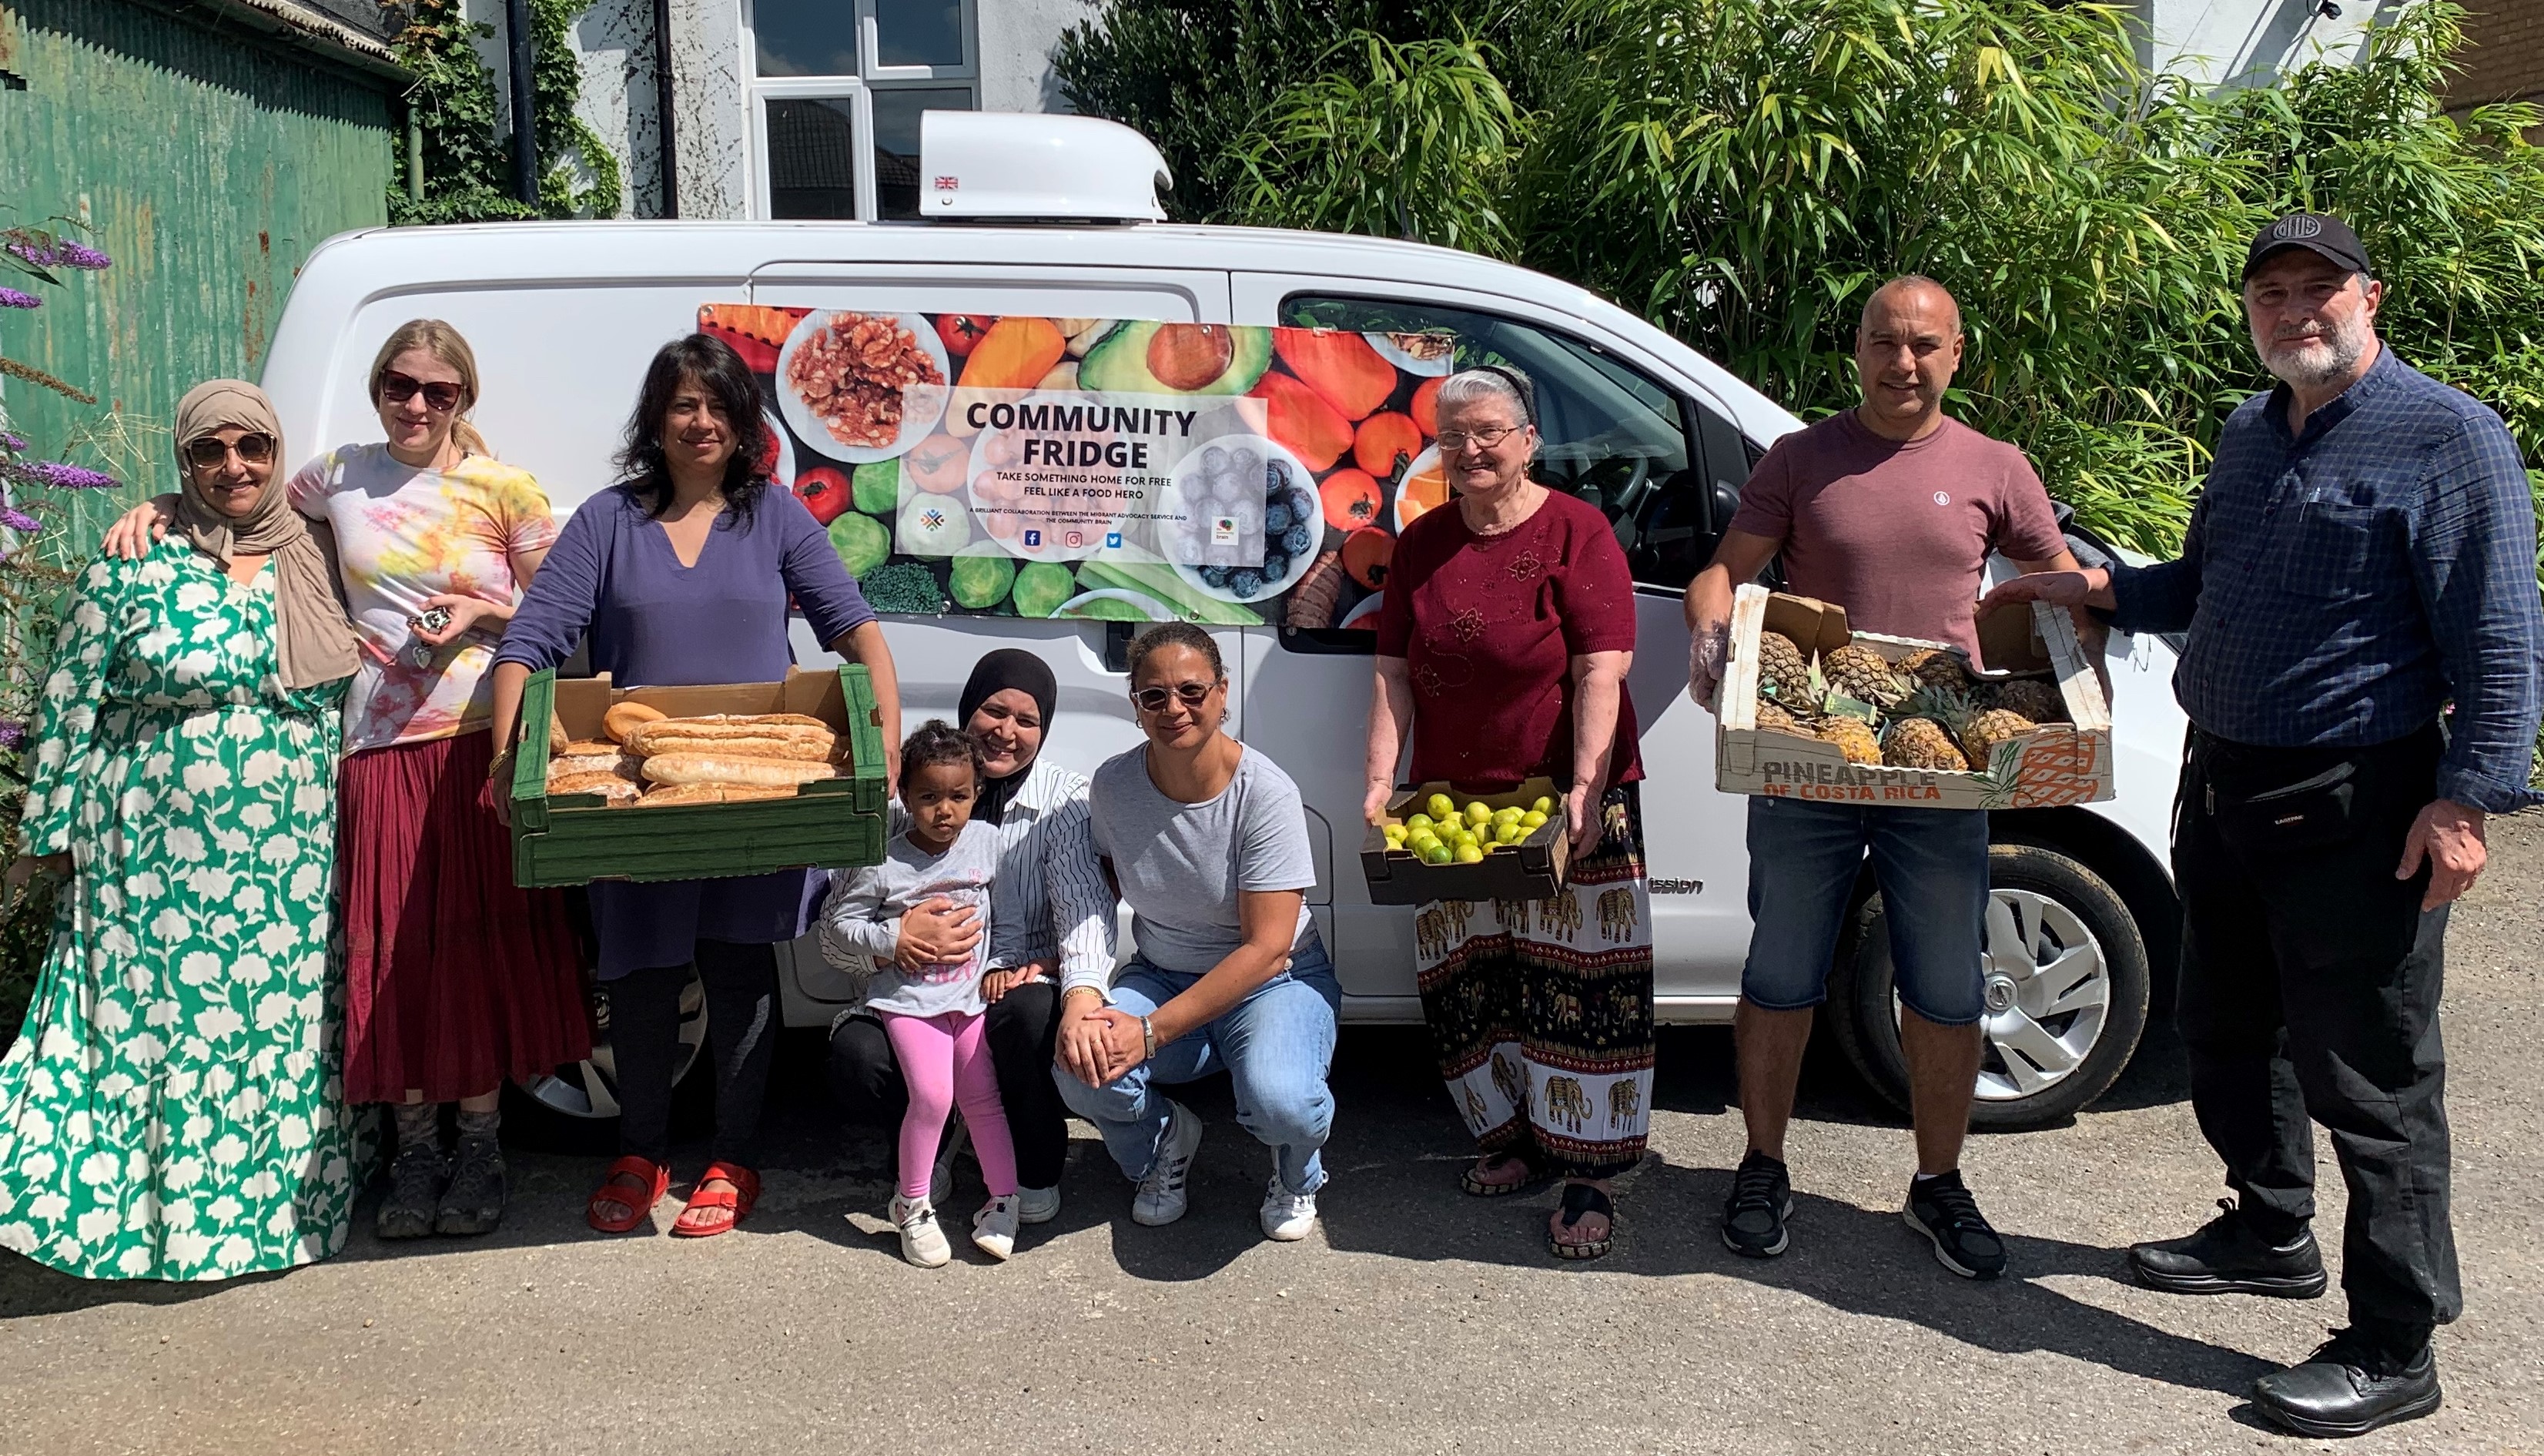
[945, 1065]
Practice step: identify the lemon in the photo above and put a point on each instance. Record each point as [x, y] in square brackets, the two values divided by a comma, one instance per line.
[1478, 814]
[1508, 833]
[1436, 853]
[1469, 855]
[1544, 805]
[1532, 818]
[1505, 816]
[1440, 805]
[1418, 821]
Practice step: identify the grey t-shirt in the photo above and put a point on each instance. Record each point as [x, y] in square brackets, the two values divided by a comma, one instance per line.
[861, 920]
[1181, 865]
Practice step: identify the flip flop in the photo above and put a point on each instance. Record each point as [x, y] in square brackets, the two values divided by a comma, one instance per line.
[1580, 1199]
[1480, 1187]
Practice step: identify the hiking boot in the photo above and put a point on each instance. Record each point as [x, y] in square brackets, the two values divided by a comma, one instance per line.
[2227, 1256]
[2350, 1387]
[474, 1201]
[1753, 1217]
[416, 1178]
[1942, 1208]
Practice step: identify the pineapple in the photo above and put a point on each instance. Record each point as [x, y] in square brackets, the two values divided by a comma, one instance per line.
[1988, 729]
[2028, 696]
[1773, 719]
[1935, 668]
[1852, 735]
[1921, 743]
[1785, 674]
[1863, 673]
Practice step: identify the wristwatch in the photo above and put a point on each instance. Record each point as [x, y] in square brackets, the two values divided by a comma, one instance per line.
[1148, 1039]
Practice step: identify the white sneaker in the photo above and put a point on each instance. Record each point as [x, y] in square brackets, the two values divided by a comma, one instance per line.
[994, 1228]
[1160, 1199]
[922, 1243]
[1038, 1205]
[940, 1183]
[1287, 1216]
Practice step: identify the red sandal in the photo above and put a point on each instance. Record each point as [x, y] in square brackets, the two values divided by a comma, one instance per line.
[650, 1175]
[735, 1203]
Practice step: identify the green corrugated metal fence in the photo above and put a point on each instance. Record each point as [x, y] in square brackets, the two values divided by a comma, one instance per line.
[212, 161]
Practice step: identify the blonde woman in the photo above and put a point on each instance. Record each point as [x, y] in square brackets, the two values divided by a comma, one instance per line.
[172, 1108]
[454, 978]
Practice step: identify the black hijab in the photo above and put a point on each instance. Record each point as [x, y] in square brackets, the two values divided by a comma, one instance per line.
[993, 674]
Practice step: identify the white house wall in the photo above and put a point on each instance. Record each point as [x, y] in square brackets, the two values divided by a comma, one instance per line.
[2251, 42]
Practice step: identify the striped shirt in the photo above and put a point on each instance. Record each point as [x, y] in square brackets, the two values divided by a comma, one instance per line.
[2339, 586]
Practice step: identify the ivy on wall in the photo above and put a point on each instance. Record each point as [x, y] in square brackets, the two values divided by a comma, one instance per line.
[467, 159]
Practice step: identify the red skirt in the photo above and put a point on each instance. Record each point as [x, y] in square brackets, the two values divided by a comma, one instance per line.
[455, 979]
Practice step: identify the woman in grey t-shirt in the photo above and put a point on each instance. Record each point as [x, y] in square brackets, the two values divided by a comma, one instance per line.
[1207, 842]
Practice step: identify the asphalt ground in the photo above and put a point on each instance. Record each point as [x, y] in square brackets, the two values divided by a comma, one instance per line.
[1415, 1319]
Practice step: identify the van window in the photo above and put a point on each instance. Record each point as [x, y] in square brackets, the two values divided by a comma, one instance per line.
[1611, 435]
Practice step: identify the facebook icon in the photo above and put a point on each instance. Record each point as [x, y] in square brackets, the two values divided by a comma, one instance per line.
[1033, 538]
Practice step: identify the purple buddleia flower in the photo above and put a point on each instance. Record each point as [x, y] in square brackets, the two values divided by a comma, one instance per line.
[12, 733]
[68, 254]
[12, 444]
[19, 520]
[12, 298]
[60, 475]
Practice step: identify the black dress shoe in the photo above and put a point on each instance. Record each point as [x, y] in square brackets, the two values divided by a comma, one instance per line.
[2227, 1257]
[2348, 1388]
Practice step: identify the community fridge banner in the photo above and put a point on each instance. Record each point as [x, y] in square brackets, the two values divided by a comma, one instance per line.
[1107, 469]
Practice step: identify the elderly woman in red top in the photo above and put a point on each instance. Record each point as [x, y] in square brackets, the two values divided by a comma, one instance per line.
[1502, 646]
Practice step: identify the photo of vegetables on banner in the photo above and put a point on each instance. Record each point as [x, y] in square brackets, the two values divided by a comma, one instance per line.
[1104, 469]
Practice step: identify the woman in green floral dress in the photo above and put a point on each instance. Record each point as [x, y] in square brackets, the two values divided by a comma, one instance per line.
[173, 1107]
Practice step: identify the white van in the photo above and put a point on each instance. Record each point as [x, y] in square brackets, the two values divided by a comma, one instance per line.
[565, 316]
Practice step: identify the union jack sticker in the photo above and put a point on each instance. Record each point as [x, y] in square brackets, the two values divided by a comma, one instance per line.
[948, 184]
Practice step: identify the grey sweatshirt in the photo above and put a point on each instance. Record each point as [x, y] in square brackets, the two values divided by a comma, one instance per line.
[861, 920]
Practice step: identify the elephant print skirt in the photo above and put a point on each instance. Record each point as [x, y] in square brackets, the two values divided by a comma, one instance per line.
[1540, 1010]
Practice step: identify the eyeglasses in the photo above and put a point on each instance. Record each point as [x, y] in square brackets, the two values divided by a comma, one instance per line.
[441, 396]
[1190, 695]
[1455, 441]
[208, 450]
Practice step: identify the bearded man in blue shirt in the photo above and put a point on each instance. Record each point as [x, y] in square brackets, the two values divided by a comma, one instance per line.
[2363, 674]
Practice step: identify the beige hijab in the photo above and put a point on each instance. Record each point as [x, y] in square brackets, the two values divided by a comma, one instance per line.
[312, 639]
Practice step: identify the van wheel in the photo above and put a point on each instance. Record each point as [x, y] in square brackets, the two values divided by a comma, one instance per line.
[2066, 992]
[576, 1108]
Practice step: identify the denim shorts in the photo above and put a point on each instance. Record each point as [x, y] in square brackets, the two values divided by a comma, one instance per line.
[1932, 865]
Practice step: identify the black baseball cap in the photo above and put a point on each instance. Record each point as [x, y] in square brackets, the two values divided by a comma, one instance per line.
[2317, 233]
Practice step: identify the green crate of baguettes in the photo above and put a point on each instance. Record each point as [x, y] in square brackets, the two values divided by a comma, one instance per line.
[604, 817]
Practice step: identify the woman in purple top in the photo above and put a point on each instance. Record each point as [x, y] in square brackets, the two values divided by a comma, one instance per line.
[681, 574]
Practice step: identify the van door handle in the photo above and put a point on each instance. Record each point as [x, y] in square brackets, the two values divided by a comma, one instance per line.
[1117, 647]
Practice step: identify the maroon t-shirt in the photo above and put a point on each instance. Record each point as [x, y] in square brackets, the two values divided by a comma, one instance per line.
[1488, 626]
[1898, 532]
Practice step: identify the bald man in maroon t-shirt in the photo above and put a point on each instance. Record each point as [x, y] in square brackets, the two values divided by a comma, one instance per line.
[1889, 510]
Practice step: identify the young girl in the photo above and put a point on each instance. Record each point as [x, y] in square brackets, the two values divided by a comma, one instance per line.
[932, 1011]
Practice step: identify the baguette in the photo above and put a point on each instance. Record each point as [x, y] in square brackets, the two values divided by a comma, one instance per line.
[733, 768]
[712, 793]
[612, 787]
[744, 740]
[585, 748]
[607, 758]
[625, 718]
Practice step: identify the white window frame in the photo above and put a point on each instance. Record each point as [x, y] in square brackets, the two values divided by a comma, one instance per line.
[858, 91]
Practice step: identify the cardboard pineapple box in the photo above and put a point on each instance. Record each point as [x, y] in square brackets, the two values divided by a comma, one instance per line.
[575, 839]
[2056, 763]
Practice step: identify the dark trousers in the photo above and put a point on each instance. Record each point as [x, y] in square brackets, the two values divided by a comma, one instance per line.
[1022, 1030]
[741, 984]
[2310, 979]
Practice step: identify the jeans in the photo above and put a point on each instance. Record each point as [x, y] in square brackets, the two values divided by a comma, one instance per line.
[1931, 866]
[1275, 1045]
[2310, 982]
[741, 984]
[1020, 1028]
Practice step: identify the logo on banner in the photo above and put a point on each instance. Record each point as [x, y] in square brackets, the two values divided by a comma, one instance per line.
[1113, 540]
[1222, 531]
[1033, 538]
[1074, 540]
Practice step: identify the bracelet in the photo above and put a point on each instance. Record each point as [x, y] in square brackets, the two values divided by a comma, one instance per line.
[1148, 1039]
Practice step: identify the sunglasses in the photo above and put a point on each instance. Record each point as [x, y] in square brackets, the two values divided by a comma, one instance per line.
[208, 450]
[1190, 695]
[1452, 441]
[440, 397]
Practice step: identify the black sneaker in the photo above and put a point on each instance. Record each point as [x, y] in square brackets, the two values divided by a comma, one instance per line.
[2226, 1257]
[416, 1180]
[2350, 1387]
[474, 1201]
[1753, 1217]
[1942, 1208]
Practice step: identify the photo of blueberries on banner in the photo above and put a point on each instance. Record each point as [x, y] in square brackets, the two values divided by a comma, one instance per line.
[1101, 469]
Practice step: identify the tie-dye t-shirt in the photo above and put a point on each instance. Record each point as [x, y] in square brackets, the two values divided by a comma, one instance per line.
[404, 537]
